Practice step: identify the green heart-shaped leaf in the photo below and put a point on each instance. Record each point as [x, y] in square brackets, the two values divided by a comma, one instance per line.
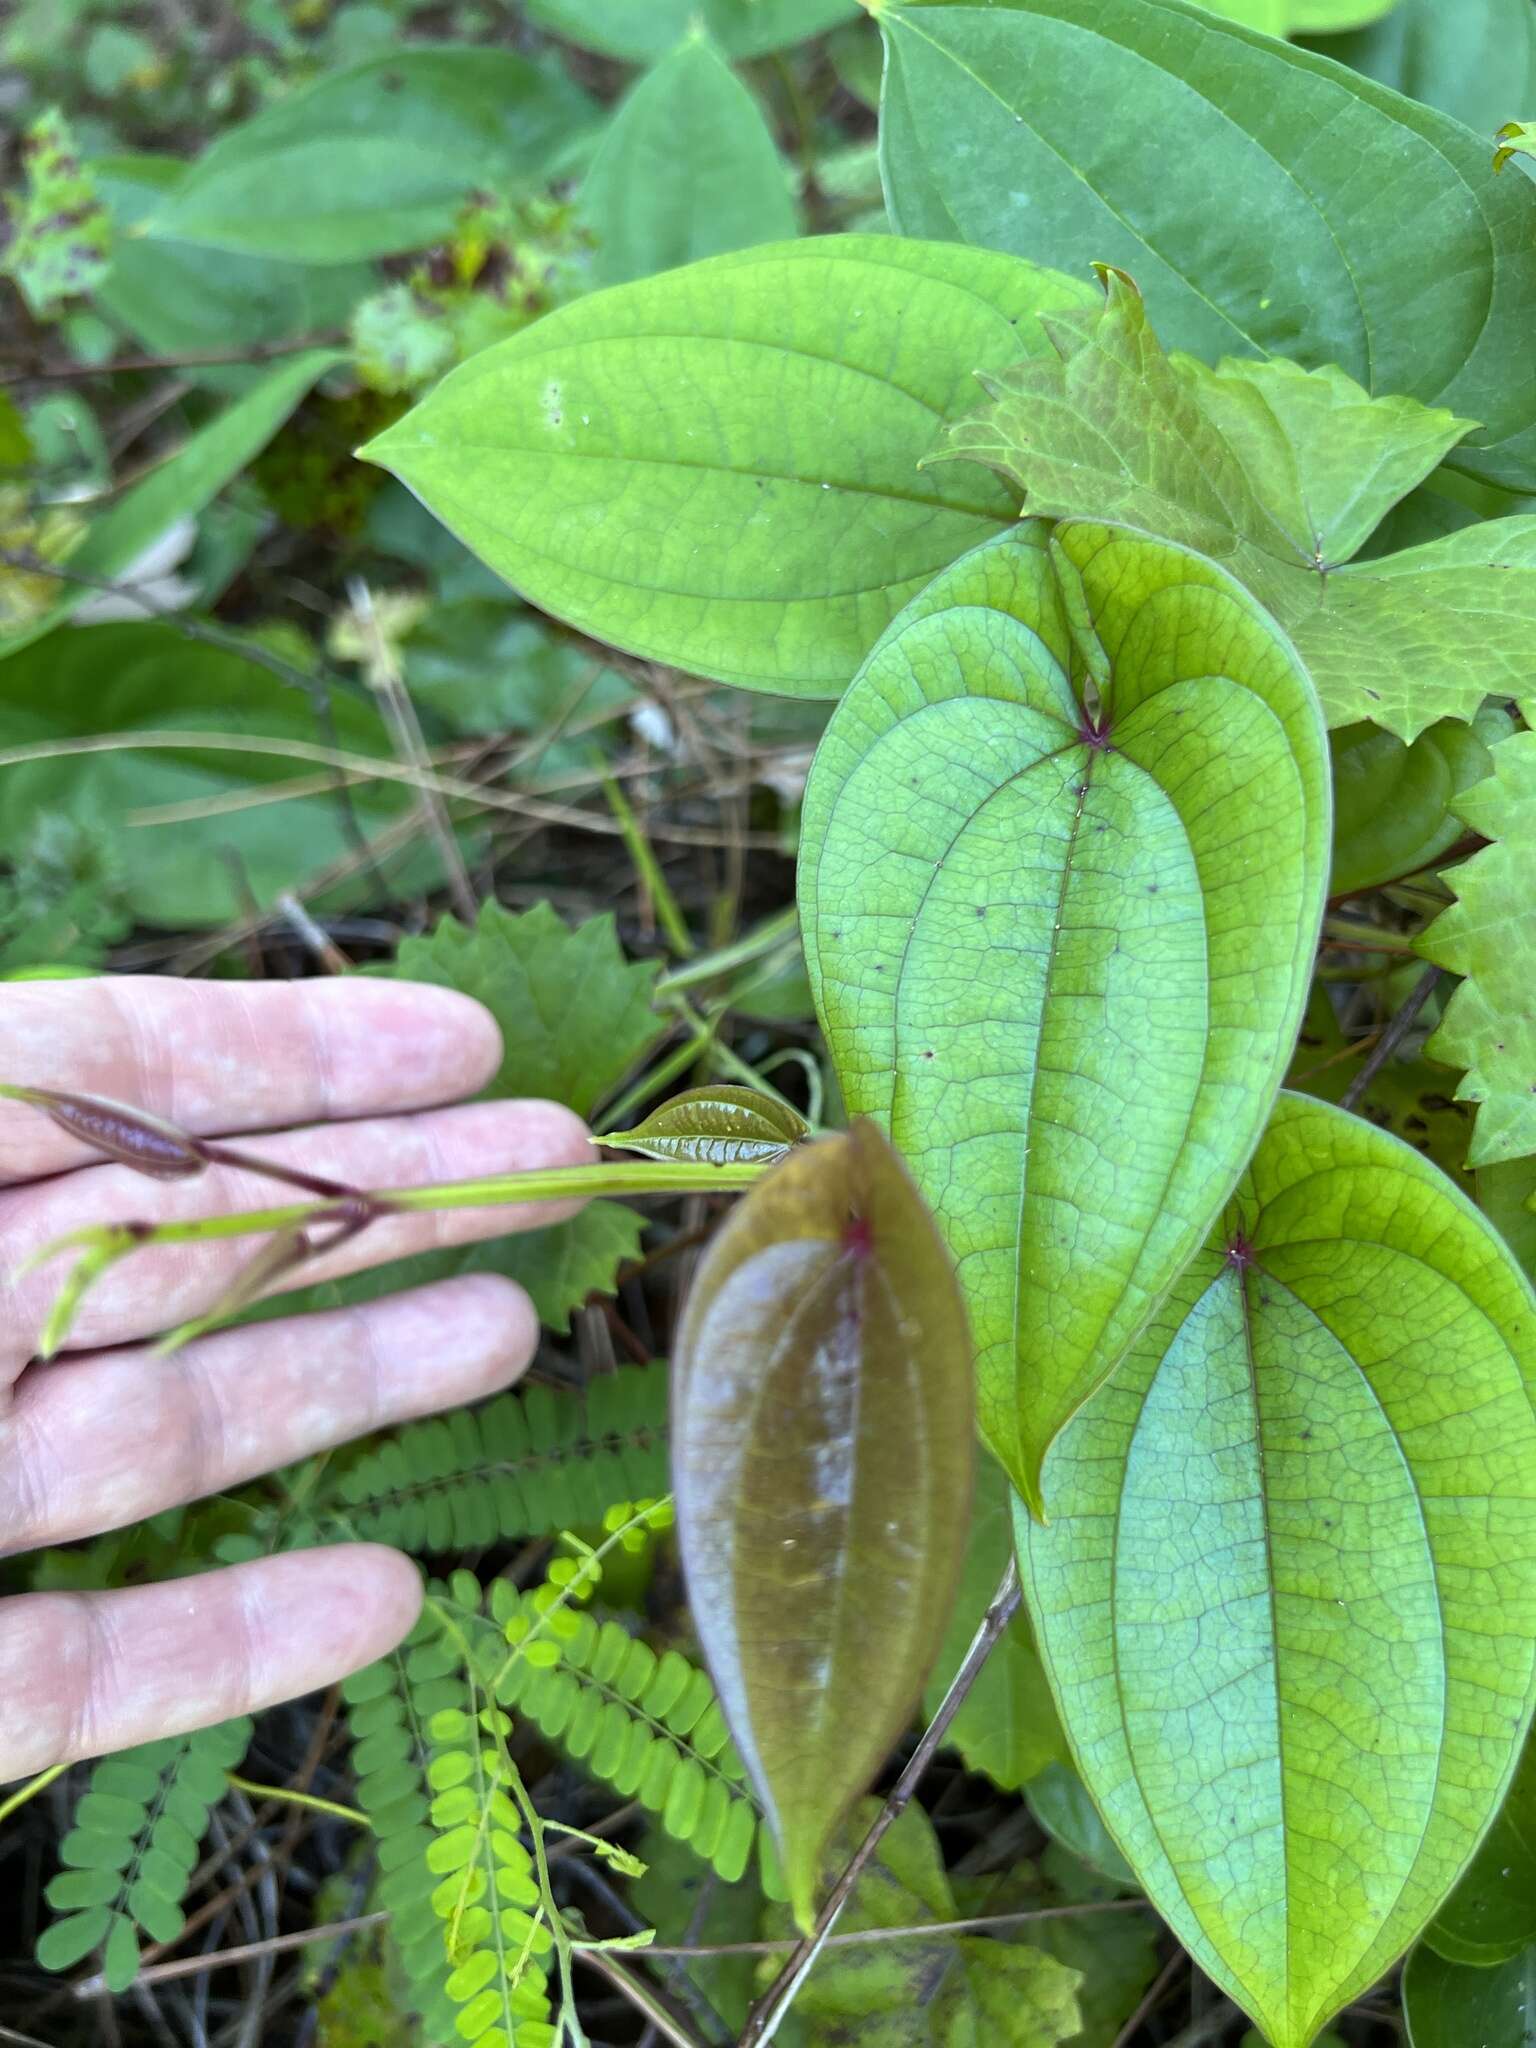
[1287, 1598]
[718, 467]
[1063, 857]
[822, 1441]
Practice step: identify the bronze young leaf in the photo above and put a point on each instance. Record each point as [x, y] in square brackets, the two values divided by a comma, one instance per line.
[821, 1448]
[721, 1124]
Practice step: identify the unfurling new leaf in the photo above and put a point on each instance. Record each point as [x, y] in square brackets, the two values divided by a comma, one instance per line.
[1287, 1597]
[821, 1451]
[722, 1124]
[1062, 868]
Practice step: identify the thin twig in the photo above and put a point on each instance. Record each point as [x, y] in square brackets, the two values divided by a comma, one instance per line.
[1209, 2027]
[926, 1930]
[930, 1930]
[641, 1996]
[1148, 2005]
[764, 2020]
[31, 1789]
[258, 352]
[399, 713]
[318, 941]
[190, 1966]
[1392, 1037]
[359, 767]
[203, 633]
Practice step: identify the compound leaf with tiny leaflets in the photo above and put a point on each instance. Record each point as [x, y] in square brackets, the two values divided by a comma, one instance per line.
[821, 1458]
[1280, 474]
[1287, 1598]
[718, 468]
[1489, 935]
[1317, 171]
[1063, 856]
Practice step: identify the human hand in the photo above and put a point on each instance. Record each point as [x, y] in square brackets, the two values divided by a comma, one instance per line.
[111, 1433]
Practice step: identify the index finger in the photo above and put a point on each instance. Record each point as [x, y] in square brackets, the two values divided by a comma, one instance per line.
[223, 1057]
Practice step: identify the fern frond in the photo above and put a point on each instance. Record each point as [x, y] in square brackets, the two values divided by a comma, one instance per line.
[649, 1726]
[454, 1872]
[522, 1465]
[133, 1846]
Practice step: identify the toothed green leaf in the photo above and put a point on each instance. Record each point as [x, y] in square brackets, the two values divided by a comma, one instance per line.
[1489, 935]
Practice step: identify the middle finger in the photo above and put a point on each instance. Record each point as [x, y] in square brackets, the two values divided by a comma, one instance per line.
[160, 1286]
[98, 1441]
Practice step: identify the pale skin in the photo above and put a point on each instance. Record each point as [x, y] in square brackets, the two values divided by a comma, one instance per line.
[364, 1082]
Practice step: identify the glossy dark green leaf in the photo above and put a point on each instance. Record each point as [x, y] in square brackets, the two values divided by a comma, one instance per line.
[1475, 60]
[718, 468]
[1287, 1598]
[116, 681]
[377, 158]
[1491, 1915]
[1062, 865]
[689, 127]
[1448, 2005]
[1062, 1804]
[641, 30]
[1302, 211]
[1392, 811]
[721, 1124]
[180, 300]
[821, 1454]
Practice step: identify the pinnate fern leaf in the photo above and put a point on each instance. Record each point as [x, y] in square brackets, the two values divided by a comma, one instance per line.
[649, 1726]
[131, 1851]
[454, 1872]
[522, 1465]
